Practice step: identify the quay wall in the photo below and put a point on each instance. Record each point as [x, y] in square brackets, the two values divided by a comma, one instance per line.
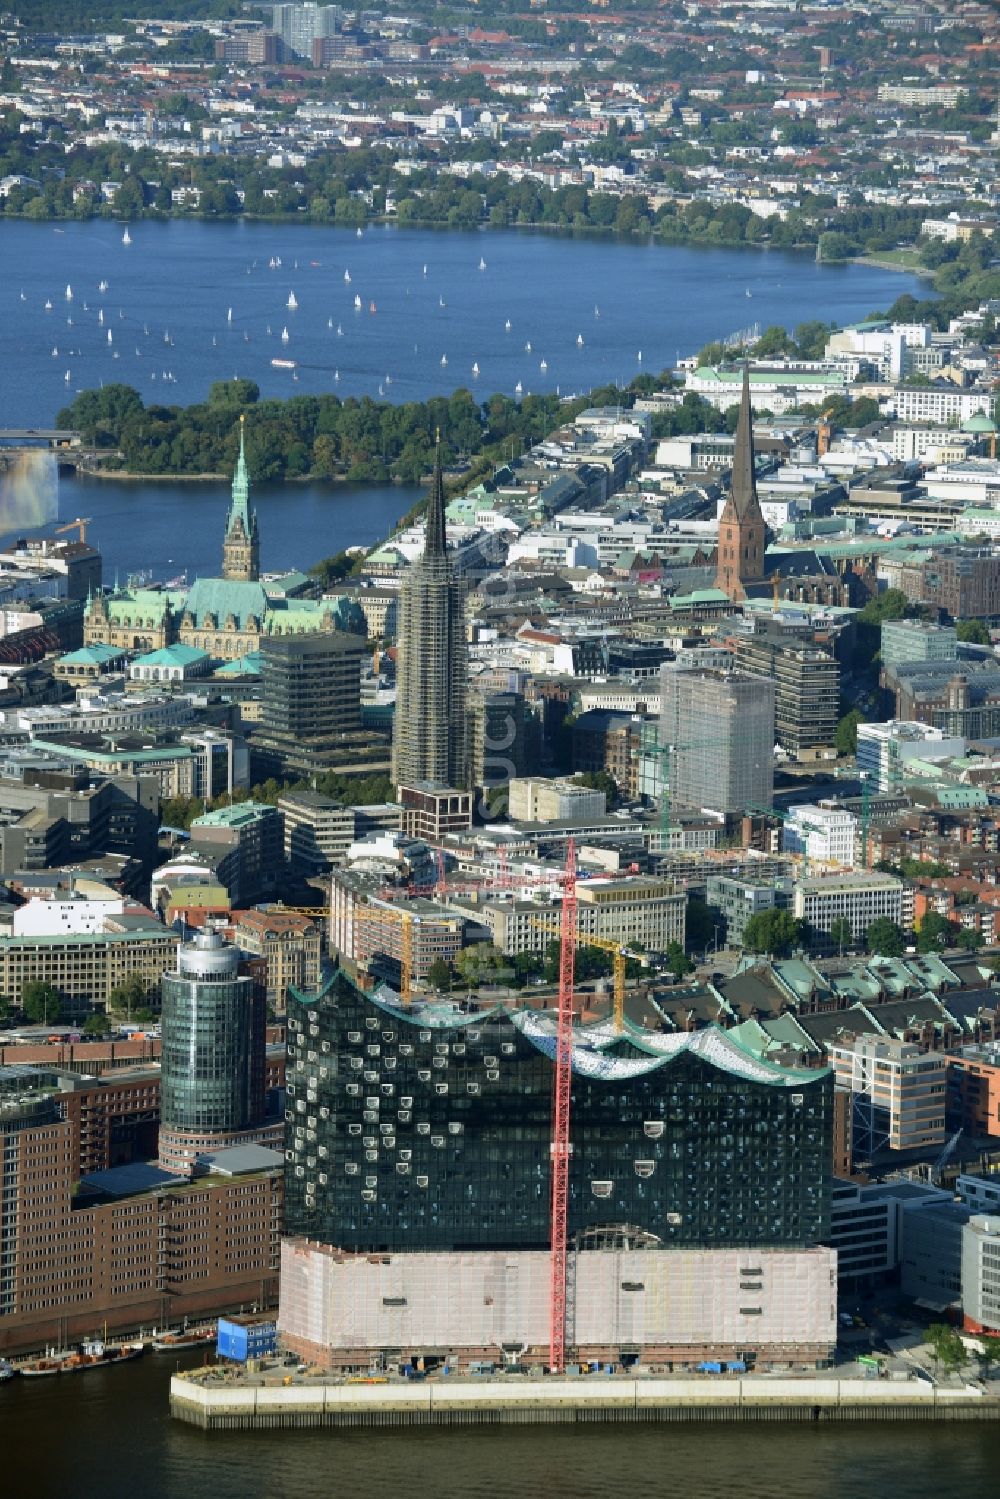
[256, 1406]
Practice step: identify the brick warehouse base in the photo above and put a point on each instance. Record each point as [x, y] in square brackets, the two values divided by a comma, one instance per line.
[652, 1306]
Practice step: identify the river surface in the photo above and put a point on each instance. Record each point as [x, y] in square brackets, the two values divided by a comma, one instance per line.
[167, 529]
[187, 303]
[108, 1433]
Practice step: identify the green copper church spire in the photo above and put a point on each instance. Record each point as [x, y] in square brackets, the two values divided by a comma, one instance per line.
[239, 508]
[241, 547]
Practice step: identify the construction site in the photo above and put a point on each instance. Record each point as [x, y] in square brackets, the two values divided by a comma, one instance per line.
[477, 1182]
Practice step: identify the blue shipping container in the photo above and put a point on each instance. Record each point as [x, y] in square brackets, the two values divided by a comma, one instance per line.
[242, 1341]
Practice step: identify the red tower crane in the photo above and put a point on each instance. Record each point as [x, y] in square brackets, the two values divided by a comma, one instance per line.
[560, 1146]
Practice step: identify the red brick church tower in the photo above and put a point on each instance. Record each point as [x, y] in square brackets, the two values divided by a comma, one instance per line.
[741, 527]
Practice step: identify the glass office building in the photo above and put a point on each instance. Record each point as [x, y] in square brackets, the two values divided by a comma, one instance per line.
[428, 1128]
[213, 1051]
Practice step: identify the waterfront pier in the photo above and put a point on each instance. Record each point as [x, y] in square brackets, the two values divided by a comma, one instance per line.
[224, 1402]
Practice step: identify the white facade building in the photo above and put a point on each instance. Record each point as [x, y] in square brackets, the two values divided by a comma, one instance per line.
[981, 1273]
[975, 481]
[826, 835]
[884, 749]
[57, 918]
[537, 799]
[861, 898]
[940, 404]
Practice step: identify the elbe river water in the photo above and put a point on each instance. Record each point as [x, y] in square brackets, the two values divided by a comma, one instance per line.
[168, 296]
[108, 1434]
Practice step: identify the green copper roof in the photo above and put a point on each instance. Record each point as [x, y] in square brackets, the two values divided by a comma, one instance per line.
[84, 755]
[91, 655]
[245, 666]
[238, 815]
[287, 585]
[222, 598]
[138, 605]
[297, 616]
[172, 655]
[700, 596]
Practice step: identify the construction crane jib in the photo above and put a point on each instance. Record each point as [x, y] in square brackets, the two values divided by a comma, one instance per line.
[607, 944]
[405, 920]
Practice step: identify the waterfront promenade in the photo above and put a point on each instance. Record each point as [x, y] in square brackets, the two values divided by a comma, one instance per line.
[234, 1400]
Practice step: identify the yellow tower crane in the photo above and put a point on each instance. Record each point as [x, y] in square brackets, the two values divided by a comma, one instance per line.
[617, 949]
[79, 526]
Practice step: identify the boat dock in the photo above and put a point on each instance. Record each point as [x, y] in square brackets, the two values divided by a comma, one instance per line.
[263, 1403]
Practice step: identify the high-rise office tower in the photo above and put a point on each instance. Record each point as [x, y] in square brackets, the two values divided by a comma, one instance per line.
[741, 526]
[310, 712]
[212, 1062]
[503, 738]
[721, 727]
[241, 548]
[431, 738]
[300, 25]
[312, 684]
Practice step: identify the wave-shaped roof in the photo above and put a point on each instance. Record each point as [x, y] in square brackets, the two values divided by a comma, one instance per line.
[597, 1049]
[593, 1051]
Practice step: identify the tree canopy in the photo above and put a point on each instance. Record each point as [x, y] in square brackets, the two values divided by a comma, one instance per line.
[773, 932]
[885, 938]
[40, 1002]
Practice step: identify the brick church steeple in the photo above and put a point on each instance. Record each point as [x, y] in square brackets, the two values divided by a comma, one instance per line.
[742, 532]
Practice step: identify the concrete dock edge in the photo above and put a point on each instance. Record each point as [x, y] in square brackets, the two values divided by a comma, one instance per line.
[250, 1406]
